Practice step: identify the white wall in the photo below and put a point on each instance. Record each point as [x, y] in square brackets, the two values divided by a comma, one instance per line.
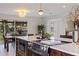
[59, 26]
[32, 22]
[70, 25]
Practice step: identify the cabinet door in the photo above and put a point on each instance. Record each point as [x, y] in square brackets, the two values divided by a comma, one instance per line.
[65, 54]
[58, 53]
[55, 53]
[21, 47]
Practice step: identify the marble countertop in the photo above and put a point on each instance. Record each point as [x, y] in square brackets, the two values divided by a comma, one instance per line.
[56, 41]
[34, 38]
[70, 48]
[28, 38]
[50, 42]
[64, 39]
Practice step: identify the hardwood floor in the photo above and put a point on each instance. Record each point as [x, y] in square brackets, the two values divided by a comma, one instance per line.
[3, 51]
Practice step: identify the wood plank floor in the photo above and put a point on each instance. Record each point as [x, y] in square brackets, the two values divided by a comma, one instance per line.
[3, 51]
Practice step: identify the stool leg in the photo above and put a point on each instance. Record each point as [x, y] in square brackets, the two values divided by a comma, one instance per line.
[7, 45]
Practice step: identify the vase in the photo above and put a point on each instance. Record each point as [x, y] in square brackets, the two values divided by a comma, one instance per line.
[75, 36]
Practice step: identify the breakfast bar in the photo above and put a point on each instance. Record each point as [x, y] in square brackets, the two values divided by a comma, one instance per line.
[70, 49]
[66, 49]
[22, 44]
[57, 48]
[28, 46]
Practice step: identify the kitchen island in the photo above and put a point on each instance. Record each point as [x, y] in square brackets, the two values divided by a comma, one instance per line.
[23, 43]
[70, 49]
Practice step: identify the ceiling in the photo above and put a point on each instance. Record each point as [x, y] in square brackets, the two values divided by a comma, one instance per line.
[56, 9]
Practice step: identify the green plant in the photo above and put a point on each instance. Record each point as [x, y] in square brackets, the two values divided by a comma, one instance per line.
[46, 35]
[41, 29]
[1, 26]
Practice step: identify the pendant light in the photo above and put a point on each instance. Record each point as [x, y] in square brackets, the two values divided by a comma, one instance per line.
[40, 11]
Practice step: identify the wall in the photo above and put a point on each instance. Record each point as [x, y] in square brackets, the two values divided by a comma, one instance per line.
[70, 25]
[59, 25]
[32, 22]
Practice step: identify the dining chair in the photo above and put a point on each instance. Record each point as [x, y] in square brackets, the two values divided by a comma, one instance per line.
[8, 40]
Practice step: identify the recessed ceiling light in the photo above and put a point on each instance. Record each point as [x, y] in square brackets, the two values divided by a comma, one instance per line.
[22, 12]
[64, 6]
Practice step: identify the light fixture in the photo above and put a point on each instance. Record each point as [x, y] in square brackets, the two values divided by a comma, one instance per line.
[64, 6]
[40, 11]
[22, 12]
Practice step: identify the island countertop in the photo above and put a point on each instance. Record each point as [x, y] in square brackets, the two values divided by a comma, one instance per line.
[27, 38]
[64, 39]
[70, 48]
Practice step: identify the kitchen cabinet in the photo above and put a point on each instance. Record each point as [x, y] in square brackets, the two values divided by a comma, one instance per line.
[58, 53]
[21, 47]
[25, 47]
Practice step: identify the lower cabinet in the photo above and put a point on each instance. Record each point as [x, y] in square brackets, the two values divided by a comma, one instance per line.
[55, 53]
[25, 48]
[21, 47]
[58, 53]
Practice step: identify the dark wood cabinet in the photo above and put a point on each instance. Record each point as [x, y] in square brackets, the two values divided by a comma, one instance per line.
[26, 48]
[58, 53]
[55, 53]
[65, 54]
[21, 47]
[66, 36]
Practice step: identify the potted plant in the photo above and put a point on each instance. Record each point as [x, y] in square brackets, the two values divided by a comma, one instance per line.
[40, 28]
[46, 35]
